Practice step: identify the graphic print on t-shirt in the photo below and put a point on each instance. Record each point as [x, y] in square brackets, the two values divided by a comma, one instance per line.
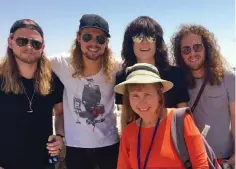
[89, 106]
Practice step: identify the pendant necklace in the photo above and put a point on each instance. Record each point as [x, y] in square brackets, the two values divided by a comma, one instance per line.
[30, 100]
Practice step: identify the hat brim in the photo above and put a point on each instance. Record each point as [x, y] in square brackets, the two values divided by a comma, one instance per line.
[108, 35]
[140, 79]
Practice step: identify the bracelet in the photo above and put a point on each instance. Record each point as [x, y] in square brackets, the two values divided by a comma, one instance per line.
[60, 135]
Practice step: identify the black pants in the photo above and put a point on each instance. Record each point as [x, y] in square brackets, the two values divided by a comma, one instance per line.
[92, 158]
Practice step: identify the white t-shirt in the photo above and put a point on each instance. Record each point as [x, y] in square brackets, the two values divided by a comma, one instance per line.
[89, 107]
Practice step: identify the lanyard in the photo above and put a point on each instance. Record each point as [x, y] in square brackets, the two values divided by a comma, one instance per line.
[149, 149]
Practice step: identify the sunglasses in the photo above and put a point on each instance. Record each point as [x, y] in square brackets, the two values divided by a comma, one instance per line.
[141, 37]
[99, 39]
[196, 47]
[20, 41]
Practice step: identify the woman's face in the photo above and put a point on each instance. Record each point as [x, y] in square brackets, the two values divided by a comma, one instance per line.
[144, 99]
[144, 48]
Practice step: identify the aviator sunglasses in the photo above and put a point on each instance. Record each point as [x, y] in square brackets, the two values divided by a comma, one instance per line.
[141, 37]
[196, 47]
[99, 39]
[20, 41]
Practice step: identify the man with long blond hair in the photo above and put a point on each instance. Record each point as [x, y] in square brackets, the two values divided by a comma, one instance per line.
[88, 74]
[211, 87]
[28, 93]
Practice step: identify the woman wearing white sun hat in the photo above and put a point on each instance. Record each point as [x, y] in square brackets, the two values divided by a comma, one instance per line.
[146, 142]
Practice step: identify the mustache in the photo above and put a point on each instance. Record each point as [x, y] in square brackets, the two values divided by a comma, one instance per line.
[94, 46]
[28, 51]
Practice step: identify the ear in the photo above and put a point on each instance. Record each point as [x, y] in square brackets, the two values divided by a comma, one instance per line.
[10, 41]
[43, 46]
[78, 37]
[107, 42]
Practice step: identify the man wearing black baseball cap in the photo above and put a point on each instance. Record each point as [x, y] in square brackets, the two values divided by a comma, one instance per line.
[88, 75]
[28, 93]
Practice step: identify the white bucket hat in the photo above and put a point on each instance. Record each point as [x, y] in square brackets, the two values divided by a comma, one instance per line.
[142, 73]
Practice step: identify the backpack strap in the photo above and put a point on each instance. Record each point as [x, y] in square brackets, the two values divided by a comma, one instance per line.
[177, 134]
[199, 95]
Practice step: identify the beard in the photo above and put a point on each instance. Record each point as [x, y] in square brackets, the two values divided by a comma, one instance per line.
[28, 59]
[196, 67]
[93, 56]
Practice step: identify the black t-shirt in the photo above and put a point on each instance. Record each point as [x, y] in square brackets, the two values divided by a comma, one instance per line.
[24, 135]
[178, 94]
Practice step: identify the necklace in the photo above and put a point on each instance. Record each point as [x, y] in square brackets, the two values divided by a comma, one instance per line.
[30, 100]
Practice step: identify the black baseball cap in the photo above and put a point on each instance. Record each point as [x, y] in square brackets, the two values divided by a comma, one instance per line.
[22, 23]
[94, 21]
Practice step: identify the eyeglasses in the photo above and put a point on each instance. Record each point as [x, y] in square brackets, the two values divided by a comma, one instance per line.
[99, 39]
[20, 41]
[141, 37]
[196, 47]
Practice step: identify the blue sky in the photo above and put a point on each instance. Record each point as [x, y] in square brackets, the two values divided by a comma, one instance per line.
[60, 19]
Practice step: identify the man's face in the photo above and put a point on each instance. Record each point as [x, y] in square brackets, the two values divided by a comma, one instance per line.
[93, 43]
[27, 45]
[193, 51]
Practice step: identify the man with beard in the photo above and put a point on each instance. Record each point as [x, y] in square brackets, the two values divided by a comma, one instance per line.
[211, 87]
[88, 74]
[28, 93]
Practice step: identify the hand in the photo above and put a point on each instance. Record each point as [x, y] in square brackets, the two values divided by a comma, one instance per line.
[231, 161]
[54, 149]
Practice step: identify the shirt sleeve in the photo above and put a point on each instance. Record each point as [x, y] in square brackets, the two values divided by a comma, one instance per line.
[58, 63]
[123, 158]
[182, 94]
[195, 145]
[58, 89]
[229, 80]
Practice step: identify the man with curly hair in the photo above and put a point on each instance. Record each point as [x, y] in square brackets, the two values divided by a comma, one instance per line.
[88, 75]
[195, 50]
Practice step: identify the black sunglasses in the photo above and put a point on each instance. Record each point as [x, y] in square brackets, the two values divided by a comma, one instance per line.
[20, 41]
[99, 39]
[196, 47]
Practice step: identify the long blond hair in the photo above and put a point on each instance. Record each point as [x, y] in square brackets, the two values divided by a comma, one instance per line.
[10, 75]
[128, 114]
[77, 65]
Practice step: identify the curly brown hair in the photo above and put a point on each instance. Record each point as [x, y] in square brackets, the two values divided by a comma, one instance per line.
[76, 61]
[214, 62]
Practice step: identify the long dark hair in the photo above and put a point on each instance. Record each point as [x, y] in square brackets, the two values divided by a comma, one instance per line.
[149, 27]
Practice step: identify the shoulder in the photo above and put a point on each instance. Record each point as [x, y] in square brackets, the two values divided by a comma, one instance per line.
[175, 75]
[180, 113]
[229, 74]
[59, 58]
[173, 71]
[56, 82]
[129, 129]
[60, 63]
[54, 77]
[120, 76]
